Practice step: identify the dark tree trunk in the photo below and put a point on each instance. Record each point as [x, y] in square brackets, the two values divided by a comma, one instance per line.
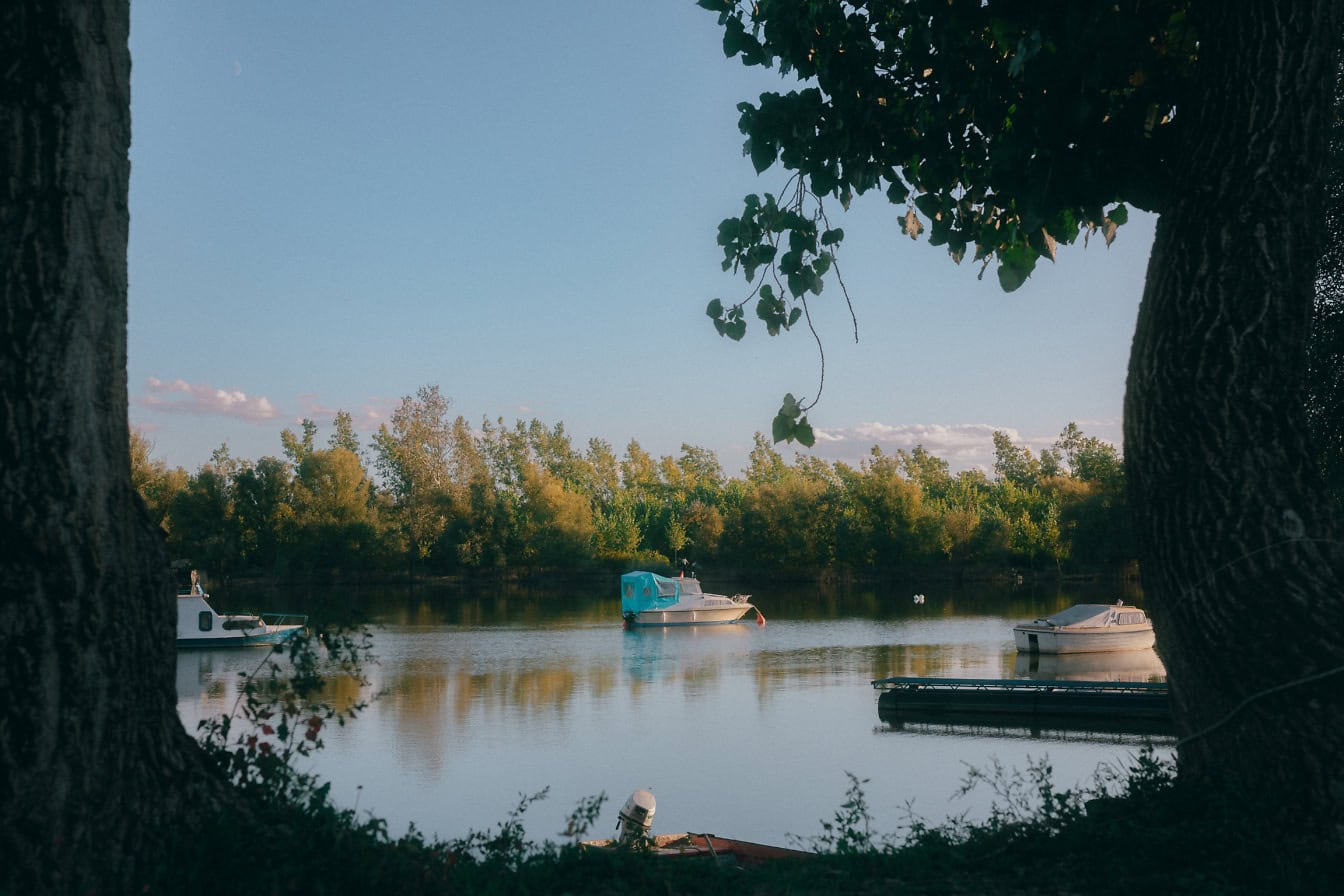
[1242, 559]
[92, 754]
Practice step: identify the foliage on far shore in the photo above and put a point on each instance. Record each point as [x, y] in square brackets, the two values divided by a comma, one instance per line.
[433, 495]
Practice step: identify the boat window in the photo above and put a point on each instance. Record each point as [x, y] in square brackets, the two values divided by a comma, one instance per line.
[1131, 618]
[207, 621]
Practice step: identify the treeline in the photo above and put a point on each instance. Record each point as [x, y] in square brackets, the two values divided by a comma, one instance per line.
[433, 495]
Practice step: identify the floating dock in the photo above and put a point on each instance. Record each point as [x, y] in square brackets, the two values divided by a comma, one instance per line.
[1099, 701]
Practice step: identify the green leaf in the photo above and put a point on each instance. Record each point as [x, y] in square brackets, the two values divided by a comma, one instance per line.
[804, 434]
[804, 242]
[715, 309]
[1119, 214]
[790, 407]
[832, 237]
[929, 203]
[782, 428]
[735, 329]
[763, 153]
[1011, 275]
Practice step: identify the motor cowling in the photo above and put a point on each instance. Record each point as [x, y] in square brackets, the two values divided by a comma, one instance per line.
[636, 817]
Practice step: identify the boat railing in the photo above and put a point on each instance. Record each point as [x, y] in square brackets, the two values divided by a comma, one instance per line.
[284, 618]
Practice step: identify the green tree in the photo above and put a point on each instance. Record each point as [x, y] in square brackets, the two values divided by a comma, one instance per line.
[153, 480]
[881, 525]
[1008, 129]
[481, 517]
[555, 525]
[787, 525]
[264, 507]
[932, 474]
[413, 459]
[765, 464]
[1089, 458]
[344, 435]
[334, 511]
[639, 480]
[297, 447]
[205, 525]
[617, 534]
[1013, 463]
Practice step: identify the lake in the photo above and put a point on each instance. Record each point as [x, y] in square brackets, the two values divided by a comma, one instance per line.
[741, 730]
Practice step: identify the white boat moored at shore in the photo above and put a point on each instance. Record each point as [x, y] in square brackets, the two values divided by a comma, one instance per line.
[198, 625]
[1087, 628]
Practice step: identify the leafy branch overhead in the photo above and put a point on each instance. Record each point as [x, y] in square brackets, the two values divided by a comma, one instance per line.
[1004, 130]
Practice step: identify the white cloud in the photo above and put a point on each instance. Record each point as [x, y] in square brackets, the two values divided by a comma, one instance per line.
[201, 399]
[964, 446]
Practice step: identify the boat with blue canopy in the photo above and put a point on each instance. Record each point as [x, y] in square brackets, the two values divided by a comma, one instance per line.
[650, 599]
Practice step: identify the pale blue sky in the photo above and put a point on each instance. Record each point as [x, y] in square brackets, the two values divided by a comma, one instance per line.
[335, 203]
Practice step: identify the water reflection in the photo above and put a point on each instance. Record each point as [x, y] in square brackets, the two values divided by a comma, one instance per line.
[1120, 732]
[681, 653]
[1121, 665]
[484, 696]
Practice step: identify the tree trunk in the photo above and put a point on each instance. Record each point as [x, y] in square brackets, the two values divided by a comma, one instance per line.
[92, 754]
[1242, 559]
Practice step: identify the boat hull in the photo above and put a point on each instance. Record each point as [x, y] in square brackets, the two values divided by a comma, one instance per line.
[677, 615]
[278, 635]
[1038, 638]
[724, 850]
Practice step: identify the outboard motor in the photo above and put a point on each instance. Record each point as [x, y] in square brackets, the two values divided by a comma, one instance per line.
[635, 818]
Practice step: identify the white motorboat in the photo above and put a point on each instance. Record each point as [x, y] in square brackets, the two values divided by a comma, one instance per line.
[198, 625]
[650, 599]
[1087, 628]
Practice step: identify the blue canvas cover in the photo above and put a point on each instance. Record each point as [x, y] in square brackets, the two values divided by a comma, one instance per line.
[642, 591]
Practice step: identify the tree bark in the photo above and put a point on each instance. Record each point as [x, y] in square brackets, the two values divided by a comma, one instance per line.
[92, 754]
[1242, 558]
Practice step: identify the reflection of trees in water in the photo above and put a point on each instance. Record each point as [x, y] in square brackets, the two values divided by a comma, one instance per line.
[423, 693]
[773, 669]
[415, 698]
[209, 682]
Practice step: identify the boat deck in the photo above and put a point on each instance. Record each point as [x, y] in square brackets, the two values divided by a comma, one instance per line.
[988, 696]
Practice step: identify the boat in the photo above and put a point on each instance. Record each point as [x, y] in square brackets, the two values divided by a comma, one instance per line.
[1087, 628]
[198, 625]
[721, 850]
[650, 599]
[636, 817]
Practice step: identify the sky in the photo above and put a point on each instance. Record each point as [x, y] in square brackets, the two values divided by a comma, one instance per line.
[334, 204]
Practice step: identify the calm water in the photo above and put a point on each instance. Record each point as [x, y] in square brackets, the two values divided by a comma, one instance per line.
[739, 730]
